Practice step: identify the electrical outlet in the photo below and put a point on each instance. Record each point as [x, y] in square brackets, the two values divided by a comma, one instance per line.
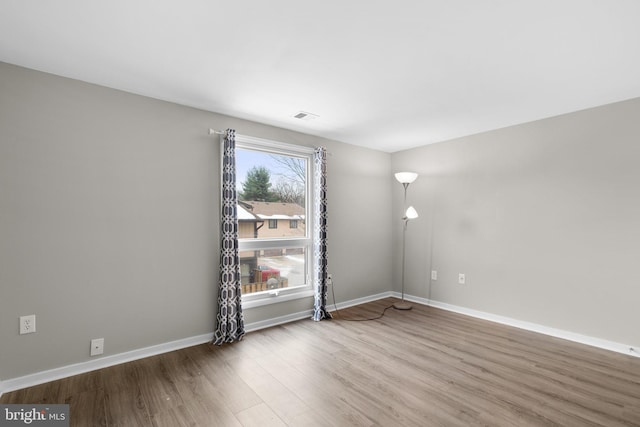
[329, 279]
[27, 324]
[462, 279]
[434, 275]
[97, 346]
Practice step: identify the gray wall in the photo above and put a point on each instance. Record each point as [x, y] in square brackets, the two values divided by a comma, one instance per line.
[109, 219]
[543, 218]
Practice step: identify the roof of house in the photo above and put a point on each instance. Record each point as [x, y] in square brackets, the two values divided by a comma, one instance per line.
[245, 215]
[274, 210]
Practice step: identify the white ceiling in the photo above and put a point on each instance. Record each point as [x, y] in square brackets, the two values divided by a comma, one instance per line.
[389, 75]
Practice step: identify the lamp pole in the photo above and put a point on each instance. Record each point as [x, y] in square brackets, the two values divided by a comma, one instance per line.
[403, 305]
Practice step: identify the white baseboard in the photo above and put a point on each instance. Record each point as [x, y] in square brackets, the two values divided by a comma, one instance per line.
[358, 301]
[256, 326]
[250, 327]
[529, 326]
[116, 359]
[104, 362]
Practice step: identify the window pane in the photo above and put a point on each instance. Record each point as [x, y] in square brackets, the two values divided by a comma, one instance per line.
[273, 181]
[269, 269]
[271, 194]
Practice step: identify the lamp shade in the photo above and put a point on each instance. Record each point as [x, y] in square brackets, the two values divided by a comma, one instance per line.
[411, 213]
[406, 177]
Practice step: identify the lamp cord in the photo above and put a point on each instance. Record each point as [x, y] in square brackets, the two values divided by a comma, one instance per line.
[333, 295]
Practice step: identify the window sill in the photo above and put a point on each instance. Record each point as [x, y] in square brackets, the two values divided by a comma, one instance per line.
[252, 301]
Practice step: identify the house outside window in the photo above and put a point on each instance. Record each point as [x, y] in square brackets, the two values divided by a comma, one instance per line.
[274, 182]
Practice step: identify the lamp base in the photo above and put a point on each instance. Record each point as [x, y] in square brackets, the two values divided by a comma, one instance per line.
[402, 306]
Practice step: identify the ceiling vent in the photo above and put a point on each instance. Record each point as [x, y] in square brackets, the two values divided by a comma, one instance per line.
[302, 115]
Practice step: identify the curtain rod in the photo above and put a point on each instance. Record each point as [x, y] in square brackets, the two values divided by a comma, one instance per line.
[224, 132]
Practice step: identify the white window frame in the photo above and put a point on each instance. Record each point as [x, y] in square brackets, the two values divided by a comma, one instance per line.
[283, 294]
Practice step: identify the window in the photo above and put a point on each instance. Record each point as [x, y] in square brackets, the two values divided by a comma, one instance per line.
[274, 183]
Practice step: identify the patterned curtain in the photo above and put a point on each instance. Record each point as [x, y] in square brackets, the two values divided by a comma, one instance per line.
[320, 235]
[230, 322]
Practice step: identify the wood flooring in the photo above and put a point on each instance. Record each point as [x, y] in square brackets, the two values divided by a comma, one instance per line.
[423, 367]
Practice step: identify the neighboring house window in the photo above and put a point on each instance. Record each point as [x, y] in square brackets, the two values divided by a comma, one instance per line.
[274, 181]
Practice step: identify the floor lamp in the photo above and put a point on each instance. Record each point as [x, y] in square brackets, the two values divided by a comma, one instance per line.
[405, 178]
